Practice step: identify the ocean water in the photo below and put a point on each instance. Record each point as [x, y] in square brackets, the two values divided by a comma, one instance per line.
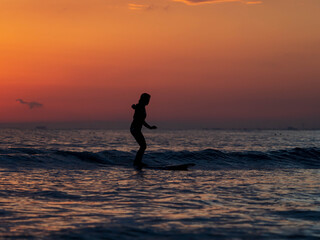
[80, 184]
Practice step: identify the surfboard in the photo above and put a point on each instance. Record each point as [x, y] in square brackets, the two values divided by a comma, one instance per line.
[181, 167]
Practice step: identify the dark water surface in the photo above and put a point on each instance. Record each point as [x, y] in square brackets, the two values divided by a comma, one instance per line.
[119, 202]
[62, 185]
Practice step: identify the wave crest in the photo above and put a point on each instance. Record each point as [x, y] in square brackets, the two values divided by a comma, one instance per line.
[208, 159]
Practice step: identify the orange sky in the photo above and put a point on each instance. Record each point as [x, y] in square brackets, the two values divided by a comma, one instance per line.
[211, 63]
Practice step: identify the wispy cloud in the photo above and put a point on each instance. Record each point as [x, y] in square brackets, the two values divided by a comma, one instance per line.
[146, 7]
[198, 2]
[253, 2]
[133, 6]
[30, 104]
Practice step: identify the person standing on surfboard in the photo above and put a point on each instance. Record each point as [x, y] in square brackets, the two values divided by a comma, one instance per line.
[136, 126]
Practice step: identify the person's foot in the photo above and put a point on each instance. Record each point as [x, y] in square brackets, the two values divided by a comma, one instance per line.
[140, 165]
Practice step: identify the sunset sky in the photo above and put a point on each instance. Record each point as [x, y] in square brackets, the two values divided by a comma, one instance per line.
[206, 63]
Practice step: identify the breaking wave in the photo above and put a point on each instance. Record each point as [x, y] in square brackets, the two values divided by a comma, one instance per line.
[209, 159]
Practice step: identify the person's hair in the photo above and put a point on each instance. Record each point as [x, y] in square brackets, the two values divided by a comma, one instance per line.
[144, 97]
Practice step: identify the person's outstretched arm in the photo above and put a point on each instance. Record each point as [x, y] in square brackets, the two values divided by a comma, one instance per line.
[148, 126]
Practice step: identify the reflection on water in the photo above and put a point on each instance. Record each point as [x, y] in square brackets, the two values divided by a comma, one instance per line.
[190, 140]
[118, 202]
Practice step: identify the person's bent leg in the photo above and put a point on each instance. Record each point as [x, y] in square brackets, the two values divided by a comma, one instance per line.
[142, 143]
[140, 153]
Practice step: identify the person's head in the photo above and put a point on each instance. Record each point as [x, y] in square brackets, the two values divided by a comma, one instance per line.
[144, 99]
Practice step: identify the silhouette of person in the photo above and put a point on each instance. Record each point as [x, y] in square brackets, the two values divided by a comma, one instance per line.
[136, 126]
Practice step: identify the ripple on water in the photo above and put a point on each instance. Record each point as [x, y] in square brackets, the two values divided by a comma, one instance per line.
[121, 203]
